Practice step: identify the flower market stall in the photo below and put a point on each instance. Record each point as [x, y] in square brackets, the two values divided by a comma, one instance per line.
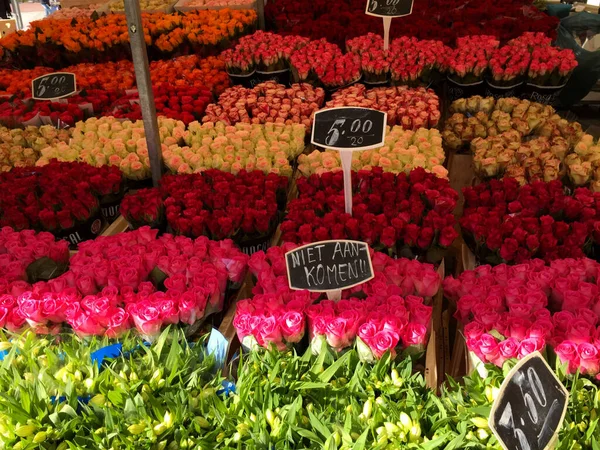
[326, 232]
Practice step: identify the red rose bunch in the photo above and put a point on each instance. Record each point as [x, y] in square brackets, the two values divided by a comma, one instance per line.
[505, 222]
[414, 61]
[113, 284]
[143, 207]
[262, 50]
[411, 108]
[59, 114]
[390, 212]
[551, 66]
[52, 198]
[309, 62]
[531, 40]
[212, 203]
[509, 64]
[511, 311]
[265, 103]
[468, 62]
[175, 102]
[342, 71]
[393, 315]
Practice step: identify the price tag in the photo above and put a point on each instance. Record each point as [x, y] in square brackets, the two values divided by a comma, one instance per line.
[389, 8]
[346, 130]
[53, 86]
[349, 128]
[530, 407]
[327, 266]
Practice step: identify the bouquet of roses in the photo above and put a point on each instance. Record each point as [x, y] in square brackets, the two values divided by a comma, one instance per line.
[400, 214]
[342, 71]
[109, 286]
[117, 143]
[16, 156]
[375, 65]
[35, 138]
[309, 62]
[509, 312]
[403, 151]
[551, 66]
[181, 103]
[505, 222]
[270, 148]
[482, 117]
[531, 40]
[414, 62]
[583, 165]
[508, 65]
[411, 108]
[505, 155]
[243, 207]
[468, 62]
[267, 102]
[143, 207]
[262, 50]
[278, 316]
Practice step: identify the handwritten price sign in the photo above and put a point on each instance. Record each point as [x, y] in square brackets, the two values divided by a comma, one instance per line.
[389, 8]
[349, 128]
[53, 86]
[530, 407]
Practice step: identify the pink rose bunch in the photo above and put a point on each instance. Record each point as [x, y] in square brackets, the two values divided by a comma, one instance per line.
[468, 62]
[551, 66]
[411, 108]
[309, 63]
[117, 282]
[267, 103]
[392, 316]
[508, 64]
[512, 311]
[382, 324]
[262, 50]
[272, 319]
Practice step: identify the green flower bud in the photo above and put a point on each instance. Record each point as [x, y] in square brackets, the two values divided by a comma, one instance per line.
[482, 434]
[25, 430]
[202, 422]
[337, 438]
[391, 428]
[98, 400]
[88, 383]
[380, 401]
[168, 419]
[243, 429]
[414, 434]
[78, 375]
[159, 429]
[40, 437]
[237, 437]
[405, 421]
[270, 417]
[367, 408]
[62, 446]
[480, 422]
[161, 445]
[136, 428]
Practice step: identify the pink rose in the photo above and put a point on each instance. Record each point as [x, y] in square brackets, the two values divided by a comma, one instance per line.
[338, 333]
[85, 325]
[18, 287]
[427, 283]
[146, 319]
[53, 309]
[14, 321]
[579, 331]
[574, 300]
[86, 285]
[473, 330]
[292, 326]
[129, 276]
[421, 314]
[268, 332]
[367, 331]
[488, 347]
[169, 313]
[414, 334]
[567, 353]
[118, 323]
[382, 342]
[589, 358]
[189, 311]
[530, 345]
[541, 328]
[242, 324]
[517, 328]
[508, 348]
[31, 310]
[562, 319]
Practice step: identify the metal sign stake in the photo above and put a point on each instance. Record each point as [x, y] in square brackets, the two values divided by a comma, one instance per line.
[144, 85]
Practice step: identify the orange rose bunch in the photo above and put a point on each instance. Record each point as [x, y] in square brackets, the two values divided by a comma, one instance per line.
[59, 43]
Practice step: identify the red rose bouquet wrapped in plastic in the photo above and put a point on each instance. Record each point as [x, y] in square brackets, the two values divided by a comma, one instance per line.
[468, 62]
[551, 66]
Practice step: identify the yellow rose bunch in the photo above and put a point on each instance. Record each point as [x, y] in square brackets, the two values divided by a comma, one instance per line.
[403, 150]
[106, 140]
[269, 148]
[506, 155]
[583, 165]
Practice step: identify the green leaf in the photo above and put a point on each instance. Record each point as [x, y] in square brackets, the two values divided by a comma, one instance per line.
[361, 441]
[317, 425]
[116, 398]
[328, 374]
[308, 435]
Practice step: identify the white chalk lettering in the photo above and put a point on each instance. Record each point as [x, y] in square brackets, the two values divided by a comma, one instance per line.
[310, 276]
[337, 249]
[342, 272]
[320, 274]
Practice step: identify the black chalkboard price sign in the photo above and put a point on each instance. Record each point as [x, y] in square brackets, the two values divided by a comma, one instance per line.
[53, 86]
[389, 8]
[329, 265]
[349, 128]
[530, 407]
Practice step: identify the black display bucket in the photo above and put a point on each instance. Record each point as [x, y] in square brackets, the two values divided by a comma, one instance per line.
[492, 90]
[249, 80]
[458, 90]
[278, 76]
[547, 95]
